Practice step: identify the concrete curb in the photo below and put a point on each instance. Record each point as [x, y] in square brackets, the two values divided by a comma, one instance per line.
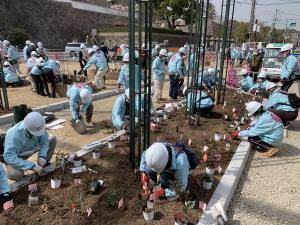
[226, 188]
[9, 118]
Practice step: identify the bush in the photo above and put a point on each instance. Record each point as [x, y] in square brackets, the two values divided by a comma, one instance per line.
[17, 36]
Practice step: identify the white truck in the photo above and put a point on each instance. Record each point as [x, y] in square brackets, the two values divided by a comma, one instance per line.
[273, 60]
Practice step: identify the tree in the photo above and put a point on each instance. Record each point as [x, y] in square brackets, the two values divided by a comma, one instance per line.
[17, 36]
[171, 10]
[240, 32]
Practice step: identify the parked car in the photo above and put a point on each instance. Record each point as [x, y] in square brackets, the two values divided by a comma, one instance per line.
[73, 48]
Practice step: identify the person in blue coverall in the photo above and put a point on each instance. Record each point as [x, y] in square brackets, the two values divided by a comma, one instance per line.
[42, 52]
[5, 195]
[120, 109]
[266, 133]
[81, 94]
[261, 85]
[10, 76]
[205, 105]
[51, 72]
[246, 82]
[98, 59]
[22, 141]
[279, 104]
[167, 160]
[12, 55]
[176, 72]
[158, 74]
[27, 43]
[209, 77]
[289, 66]
[36, 74]
[123, 78]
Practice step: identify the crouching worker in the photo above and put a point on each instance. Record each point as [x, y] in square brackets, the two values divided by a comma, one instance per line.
[201, 101]
[261, 85]
[279, 104]
[246, 82]
[10, 76]
[163, 162]
[22, 141]
[81, 94]
[5, 195]
[266, 133]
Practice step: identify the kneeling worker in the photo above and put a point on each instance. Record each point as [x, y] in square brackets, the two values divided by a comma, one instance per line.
[266, 133]
[5, 195]
[205, 104]
[22, 141]
[81, 94]
[167, 163]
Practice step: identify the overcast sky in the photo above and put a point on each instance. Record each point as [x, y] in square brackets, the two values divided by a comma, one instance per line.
[288, 9]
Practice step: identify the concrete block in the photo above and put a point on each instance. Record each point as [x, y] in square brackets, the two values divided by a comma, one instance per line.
[227, 184]
[55, 107]
[7, 118]
[39, 109]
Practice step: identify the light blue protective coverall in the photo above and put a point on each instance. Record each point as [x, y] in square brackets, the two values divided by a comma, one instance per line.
[75, 100]
[10, 75]
[279, 101]
[289, 66]
[246, 83]
[4, 185]
[124, 76]
[158, 69]
[180, 168]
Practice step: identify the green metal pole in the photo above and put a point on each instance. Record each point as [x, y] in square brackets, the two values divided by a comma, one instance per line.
[223, 50]
[3, 86]
[131, 12]
[228, 45]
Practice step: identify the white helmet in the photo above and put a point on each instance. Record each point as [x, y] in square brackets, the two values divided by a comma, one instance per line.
[286, 48]
[163, 52]
[126, 57]
[252, 107]
[6, 43]
[6, 63]
[271, 85]
[27, 42]
[211, 71]
[95, 48]
[156, 157]
[157, 47]
[182, 50]
[86, 96]
[243, 72]
[262, 74]
[82, 46]
[40, 44]
[34, 122]
[90, 51]
[33, 53]
[58, 62]
[32, 44]
[127, 94]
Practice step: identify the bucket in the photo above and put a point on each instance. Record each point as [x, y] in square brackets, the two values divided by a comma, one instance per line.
[111, 144]
[55, 183]
[96, 154]
[218, 136]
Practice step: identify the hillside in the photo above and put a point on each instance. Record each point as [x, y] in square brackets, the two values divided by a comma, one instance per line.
[52, 22]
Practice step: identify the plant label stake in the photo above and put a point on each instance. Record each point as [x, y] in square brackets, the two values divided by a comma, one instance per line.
[205, 149]
[32, 187]
[220, 169]
[121, 202]
[89, 211]
[190, 142]
[202, 205]
[77, 182]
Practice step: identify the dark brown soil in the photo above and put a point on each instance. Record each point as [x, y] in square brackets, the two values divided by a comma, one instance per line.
[120, 181]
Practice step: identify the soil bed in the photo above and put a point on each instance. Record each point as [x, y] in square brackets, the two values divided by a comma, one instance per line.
[68, 204]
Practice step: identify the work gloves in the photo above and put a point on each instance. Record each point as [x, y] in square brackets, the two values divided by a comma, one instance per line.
[37, 168]
[5, 197]
[42, 161]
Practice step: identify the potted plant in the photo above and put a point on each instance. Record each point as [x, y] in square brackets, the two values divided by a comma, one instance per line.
[148, 213]
[60, 161]
[207, 183]
[111, 144]
[77, 161]
[180, 219]
[96, 154]
[218, 136]
[189, 200]
[209, 170]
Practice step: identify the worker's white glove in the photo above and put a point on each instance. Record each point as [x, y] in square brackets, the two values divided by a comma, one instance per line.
[42, 161]
[77, 121]
[37, 168]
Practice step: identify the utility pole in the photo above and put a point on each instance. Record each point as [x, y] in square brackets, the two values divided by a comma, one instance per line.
[272, 32]
[252, 18]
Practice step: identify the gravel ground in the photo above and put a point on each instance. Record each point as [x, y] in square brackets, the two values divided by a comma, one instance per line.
[269, 191]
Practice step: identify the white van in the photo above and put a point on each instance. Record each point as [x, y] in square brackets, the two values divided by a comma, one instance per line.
[73, 48]
[273, 60]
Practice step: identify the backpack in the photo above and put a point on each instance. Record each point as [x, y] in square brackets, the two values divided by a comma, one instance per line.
[294, 100]
[2, 140]
[192, 158]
